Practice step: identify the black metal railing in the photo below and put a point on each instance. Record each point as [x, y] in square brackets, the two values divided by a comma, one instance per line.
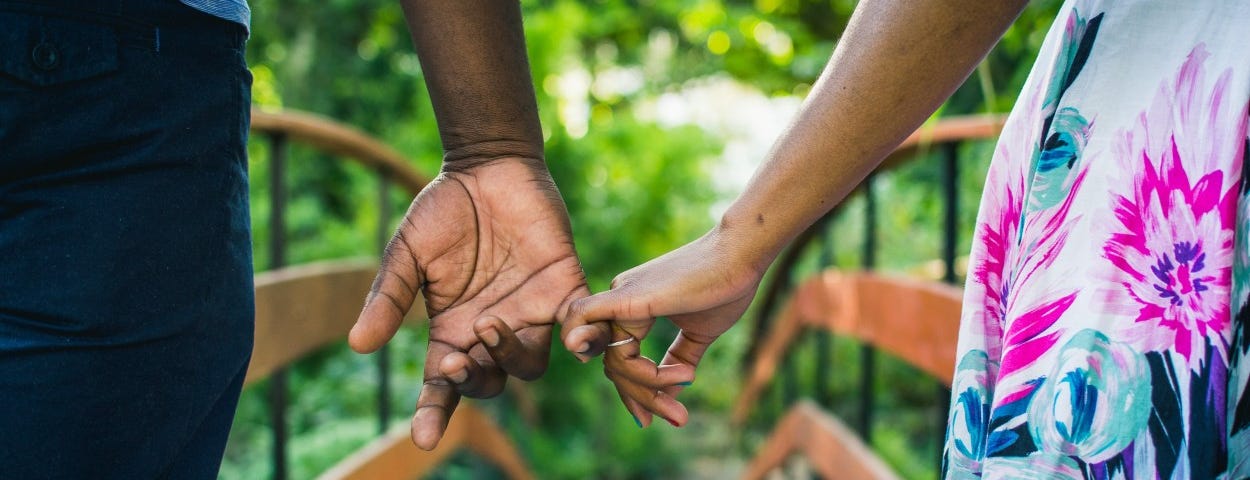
[278, 385]
[778, 288]
[277, 389]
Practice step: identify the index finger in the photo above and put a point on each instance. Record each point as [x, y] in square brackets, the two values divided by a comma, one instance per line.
[437, 401]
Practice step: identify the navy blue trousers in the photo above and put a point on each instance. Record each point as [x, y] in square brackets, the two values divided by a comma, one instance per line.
[126, 299]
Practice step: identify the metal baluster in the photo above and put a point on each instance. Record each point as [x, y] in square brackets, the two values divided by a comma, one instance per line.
[276, 393]
[789, 378]
[824, 396]
[950, 240]
[868, 354]
[384, 355]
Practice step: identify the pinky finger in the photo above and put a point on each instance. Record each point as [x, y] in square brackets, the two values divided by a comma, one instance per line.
[642, 417]
[651, 400]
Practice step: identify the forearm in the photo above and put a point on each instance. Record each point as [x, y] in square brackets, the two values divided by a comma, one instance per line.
[473, 59]
[896, 63]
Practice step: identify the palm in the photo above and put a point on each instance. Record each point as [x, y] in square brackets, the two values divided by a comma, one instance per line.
[489, 248]
[713, 322]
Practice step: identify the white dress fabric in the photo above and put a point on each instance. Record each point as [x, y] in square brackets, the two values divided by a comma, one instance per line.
[1104, 325]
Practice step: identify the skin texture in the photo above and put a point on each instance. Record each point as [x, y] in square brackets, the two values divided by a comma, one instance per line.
[487, 243]
[895, 64]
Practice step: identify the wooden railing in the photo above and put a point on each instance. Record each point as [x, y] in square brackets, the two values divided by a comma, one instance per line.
[304, 308]
[830, 447]
[913, 320]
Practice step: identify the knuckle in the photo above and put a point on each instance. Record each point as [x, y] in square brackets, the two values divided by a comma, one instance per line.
[576, 312]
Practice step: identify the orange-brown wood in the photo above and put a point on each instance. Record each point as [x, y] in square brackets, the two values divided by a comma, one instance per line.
[966, 127]
[950, 129]
[832, 449]
[914, 320]
[333, 137]
[786, 326]
[393, 456]
[300, 309]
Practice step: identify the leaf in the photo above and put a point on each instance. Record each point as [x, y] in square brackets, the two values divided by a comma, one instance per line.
[1083, 48]
[1206, 418]
[1167, 429]
[1024, 342]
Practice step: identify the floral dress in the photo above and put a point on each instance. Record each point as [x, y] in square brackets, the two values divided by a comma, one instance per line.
[1104, 333]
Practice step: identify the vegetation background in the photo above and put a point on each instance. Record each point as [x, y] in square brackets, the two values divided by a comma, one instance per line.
[653, 111]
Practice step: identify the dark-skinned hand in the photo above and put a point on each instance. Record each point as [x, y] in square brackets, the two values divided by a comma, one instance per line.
[489, 248]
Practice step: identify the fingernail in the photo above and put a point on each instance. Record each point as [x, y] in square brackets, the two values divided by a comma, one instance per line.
[459, 377]
[670, 421]
[585, 347]
[490, 337]
[686, 384]
[636, 420]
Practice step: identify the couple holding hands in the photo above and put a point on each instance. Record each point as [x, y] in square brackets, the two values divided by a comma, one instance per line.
[1103, 328]
[488, 242]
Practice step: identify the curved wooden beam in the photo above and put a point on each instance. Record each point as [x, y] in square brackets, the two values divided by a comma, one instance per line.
[393, 456]
[337, 138]
[916, 321]
[304, 308]
[832, 449]
[950, 129]
[301, 309]
[946, 130]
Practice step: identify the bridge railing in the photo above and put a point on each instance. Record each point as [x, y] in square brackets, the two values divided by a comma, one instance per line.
[304, 308]
[802, 308]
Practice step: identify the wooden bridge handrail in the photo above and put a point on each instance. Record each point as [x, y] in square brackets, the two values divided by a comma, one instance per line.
[303, 308]
[333, 137]
[945, 130]
[914, 320]
[832, 449]
[393, 456]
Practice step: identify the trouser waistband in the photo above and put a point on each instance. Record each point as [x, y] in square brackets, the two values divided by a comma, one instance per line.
[160, 22]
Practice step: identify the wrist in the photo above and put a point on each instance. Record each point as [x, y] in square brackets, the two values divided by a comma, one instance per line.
[473, 157]
[744, 243]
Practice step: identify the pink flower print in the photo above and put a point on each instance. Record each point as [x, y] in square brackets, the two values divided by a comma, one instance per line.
[1174, 246]
[1172, 238]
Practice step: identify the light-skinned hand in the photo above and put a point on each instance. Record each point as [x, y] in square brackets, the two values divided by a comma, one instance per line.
[702, 287]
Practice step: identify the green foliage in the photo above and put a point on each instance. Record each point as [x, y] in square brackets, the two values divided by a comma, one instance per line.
[634, 190]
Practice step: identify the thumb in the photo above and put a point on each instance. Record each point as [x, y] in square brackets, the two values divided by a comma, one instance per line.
[390, 297]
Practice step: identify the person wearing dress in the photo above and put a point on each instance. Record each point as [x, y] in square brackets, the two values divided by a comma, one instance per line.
[1103, 333]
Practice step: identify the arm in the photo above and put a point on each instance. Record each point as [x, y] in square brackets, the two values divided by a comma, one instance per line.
[897, 61]
[473, 59]
[487, 242]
